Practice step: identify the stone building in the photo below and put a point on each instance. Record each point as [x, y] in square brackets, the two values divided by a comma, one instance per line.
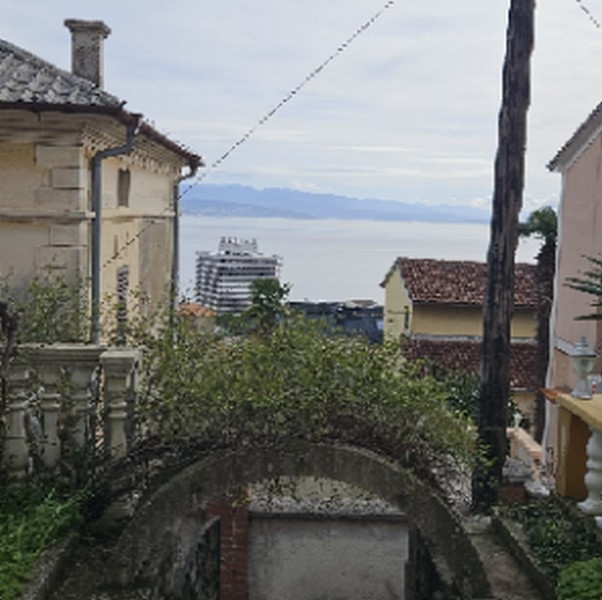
[87, 188]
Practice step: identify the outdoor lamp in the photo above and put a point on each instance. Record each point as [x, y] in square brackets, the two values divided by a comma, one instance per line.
[583, 358]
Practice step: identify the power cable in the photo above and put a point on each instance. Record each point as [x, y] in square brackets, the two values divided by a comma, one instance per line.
[589, 14]
[264, 119]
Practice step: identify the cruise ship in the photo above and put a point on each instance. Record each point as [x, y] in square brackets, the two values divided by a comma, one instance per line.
[223, 277]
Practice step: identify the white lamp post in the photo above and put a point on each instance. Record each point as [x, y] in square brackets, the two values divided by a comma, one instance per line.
[583, 358]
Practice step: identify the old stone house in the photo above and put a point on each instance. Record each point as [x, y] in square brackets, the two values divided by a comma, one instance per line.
[87, 188]
[436, 307]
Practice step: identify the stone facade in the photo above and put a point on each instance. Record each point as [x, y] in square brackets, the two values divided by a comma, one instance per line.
[52, 126]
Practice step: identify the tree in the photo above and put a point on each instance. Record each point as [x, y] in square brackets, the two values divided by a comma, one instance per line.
[590, 283]
[267, 307]
[267, 302]
[542, 224]
[499, 296]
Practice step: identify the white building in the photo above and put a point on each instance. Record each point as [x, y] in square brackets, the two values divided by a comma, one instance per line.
[223, 278]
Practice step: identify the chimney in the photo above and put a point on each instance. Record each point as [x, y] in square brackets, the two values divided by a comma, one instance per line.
[87, 38]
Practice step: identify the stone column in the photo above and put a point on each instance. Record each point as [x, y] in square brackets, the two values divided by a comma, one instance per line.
[80, 363]
[16, 451]
[592, 505]
[48, 364]
[118, 365]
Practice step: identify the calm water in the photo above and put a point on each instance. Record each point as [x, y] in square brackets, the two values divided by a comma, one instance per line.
[338, 260]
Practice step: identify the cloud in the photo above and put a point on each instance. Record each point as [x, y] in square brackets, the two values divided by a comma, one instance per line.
[409, 109]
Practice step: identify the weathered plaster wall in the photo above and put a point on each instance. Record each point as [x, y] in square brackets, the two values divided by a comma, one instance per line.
[304, 557]
[45, 202]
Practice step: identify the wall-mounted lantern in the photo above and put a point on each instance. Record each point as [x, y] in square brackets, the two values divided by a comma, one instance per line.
[583, 358]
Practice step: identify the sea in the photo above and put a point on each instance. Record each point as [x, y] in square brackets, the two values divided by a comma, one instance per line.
[338, 260]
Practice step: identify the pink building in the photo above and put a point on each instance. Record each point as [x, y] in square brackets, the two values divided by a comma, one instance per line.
[579, 162]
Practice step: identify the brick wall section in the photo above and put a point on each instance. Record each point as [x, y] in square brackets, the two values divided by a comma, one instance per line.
[233, 513]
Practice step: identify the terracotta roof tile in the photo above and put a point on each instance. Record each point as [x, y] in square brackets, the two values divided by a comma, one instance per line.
[191, 309]
[464, 355]
[460, 282]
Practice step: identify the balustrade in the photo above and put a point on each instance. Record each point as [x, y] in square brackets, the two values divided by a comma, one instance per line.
[579, 473]
[118, 366]
[52, 401]
[16, 450]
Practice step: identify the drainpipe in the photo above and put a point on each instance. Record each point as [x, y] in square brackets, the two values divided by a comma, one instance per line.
[132, 130]
[175, 263]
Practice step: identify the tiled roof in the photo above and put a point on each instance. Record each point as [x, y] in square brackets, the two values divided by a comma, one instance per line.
[191, 309]
[464, 355]
[27, 79]
[460, 282]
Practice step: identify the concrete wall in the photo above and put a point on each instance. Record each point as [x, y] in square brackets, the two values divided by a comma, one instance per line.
[305, 557]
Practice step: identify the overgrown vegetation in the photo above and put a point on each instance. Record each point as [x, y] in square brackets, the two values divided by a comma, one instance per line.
[31, 518]
[50, 308]
[285, 378]
[558, 534]
[297, 381]
[32, 514]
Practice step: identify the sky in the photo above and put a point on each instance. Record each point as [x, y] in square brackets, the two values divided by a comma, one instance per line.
[408, 111]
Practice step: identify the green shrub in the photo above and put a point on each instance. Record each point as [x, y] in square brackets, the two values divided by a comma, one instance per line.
[299, 381]
[557, 534]
[581, 580]
[51, 308]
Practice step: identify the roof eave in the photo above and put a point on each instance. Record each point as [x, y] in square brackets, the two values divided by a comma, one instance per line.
[117, 111]
[578, 142]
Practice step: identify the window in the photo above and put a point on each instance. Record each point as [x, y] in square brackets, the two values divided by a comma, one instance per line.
[123, 187]
[121, 308]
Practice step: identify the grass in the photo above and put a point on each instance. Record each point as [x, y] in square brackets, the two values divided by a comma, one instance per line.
[31, 518]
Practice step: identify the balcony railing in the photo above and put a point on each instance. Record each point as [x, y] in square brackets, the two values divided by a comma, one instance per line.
[579, 470]
[64, 398]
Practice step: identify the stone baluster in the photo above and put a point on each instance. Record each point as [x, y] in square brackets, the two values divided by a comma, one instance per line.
[48, 363]
[16, 450]
[592, 505]
[80, 363]
[118, 365]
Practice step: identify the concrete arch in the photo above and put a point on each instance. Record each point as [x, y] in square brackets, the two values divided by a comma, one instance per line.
[166, 525]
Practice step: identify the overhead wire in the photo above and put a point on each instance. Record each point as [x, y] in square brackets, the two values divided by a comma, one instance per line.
[589, 13]
[262, 121]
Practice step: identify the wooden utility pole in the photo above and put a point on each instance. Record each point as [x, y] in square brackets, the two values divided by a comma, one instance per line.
[499, 297]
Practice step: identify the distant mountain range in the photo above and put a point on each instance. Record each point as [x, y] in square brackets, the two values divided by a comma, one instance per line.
[244, 201]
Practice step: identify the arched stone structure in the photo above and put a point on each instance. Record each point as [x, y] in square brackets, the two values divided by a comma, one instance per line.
[156, 544]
